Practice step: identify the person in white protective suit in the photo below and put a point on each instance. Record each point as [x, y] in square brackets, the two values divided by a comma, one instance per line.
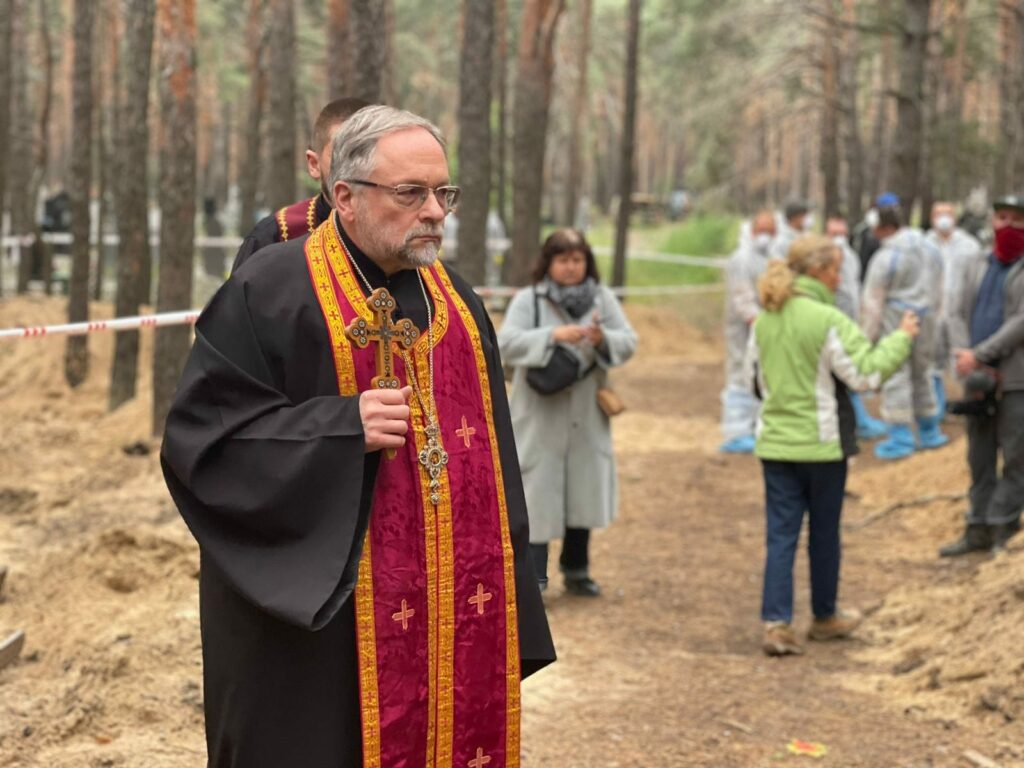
[848, 302]
[745, 266]
[799, 220]
[905, 274]
[959, 249]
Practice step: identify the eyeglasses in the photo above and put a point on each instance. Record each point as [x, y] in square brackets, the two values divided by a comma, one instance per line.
[415, 195]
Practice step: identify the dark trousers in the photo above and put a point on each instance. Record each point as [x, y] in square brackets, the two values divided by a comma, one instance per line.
[790, 489]
[997, 500]
[575, 559]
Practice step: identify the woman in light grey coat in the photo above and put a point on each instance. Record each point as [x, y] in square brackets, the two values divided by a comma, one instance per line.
[564, 439]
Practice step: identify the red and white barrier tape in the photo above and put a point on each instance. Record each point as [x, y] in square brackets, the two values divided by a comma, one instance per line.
[189, 317]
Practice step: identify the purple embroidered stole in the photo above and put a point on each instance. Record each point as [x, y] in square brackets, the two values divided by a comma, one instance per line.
[435, 600]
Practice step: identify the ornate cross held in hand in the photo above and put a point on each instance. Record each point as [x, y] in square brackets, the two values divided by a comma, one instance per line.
[385, 331]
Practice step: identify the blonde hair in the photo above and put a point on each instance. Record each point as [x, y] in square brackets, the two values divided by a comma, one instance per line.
[807, 253]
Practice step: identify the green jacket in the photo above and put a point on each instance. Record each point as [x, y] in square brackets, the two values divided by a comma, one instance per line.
[794, 354]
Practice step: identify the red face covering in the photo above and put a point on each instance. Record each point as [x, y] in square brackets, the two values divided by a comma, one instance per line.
[1009, 244]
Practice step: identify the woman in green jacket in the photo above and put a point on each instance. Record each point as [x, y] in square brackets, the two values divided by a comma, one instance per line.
[804, 354]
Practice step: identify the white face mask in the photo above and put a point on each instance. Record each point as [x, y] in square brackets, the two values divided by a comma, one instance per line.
[839, 240]
[808, 222]
[762, 242]
[944, 223]
[871, 218]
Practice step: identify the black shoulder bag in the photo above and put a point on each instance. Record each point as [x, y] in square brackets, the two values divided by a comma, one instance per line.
[561, 371]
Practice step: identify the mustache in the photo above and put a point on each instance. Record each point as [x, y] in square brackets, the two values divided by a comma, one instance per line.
[424, 230]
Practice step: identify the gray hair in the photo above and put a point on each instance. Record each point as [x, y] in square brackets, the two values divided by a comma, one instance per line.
[355, 145]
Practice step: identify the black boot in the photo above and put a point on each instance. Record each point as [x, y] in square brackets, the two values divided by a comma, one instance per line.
[580, 584]
[977, 538]
[1002, 533]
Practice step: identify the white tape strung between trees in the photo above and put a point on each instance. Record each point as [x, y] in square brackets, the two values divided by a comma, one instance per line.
[189, 317]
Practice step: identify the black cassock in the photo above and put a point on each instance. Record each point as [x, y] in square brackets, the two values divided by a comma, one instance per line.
[266, 464]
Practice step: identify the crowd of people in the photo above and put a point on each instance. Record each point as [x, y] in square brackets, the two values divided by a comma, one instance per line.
[812, 320]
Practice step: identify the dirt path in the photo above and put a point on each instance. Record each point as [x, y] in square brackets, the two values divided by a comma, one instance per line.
[664, 670]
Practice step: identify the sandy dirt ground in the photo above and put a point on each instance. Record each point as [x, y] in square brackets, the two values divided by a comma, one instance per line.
[664, 670]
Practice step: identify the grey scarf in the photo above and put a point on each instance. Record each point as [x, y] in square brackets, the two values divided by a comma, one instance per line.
[575, 300]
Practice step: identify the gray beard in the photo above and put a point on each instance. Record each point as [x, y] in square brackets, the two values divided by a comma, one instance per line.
[413, 258]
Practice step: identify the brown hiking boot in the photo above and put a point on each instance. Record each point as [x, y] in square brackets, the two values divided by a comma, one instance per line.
[835, 627]
[780, 639]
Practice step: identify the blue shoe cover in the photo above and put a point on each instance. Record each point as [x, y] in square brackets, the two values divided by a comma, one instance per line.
[928, 433]
[940, 395]
[899, 444]
[741, 444]
[868, 427]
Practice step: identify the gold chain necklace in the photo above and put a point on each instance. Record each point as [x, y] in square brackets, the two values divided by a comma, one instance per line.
[433, 457]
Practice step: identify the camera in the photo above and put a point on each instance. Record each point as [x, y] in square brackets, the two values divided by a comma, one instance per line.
[979, 396]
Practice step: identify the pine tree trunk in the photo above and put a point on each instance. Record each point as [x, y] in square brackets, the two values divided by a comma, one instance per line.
[6, 10]
[910, 102]
[576, 117]
[76, 353]
[475, 138]
[848, 89]
[536, 66]
[1008, 65]
[628, 153]
[369, 47]
[339, 50]
[41, 252]
[830, 110]
[501, 89]
[131, 193]
[1018, 171]
[933, 62]
[880, 134]
[21, 155]
[176, 27]
[281, 133]
[248, 174]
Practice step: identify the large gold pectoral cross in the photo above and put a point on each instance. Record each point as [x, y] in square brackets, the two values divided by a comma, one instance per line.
[385, 331]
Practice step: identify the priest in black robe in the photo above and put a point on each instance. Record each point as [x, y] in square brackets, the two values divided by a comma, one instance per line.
[305, 661]
[300, 218]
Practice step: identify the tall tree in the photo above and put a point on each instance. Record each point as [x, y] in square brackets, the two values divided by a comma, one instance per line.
[256, 65]
[501, 89]
[475, 137]
[576, 115]
[628, 152]
[6, 12]
[369, 48]
[536, 66]
[281, 123]
[1009, 61]
[910, 101]
[76, 353]
[40, 250]
[176, 27]
[339, 49]
[22, 206]
[107, 97]
[1018, 171]
[849, 87]
[131, 193]
[879, 172]
[829, 52]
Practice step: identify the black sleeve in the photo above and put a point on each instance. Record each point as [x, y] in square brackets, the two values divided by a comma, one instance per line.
[272, 488]
[262, 235]
[536, 648]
